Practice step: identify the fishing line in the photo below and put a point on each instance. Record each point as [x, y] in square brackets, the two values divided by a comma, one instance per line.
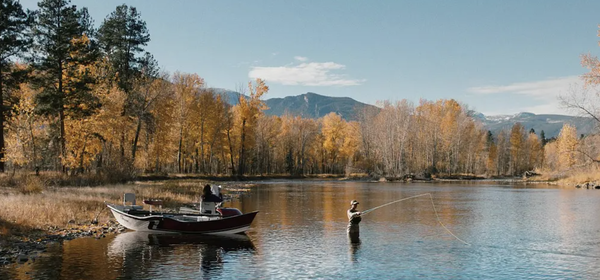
[434, 210]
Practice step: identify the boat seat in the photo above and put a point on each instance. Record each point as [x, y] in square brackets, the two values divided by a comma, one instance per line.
[130, 197]
[208, 208]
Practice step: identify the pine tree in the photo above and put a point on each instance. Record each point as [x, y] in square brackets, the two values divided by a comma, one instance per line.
[122, 36]
[543, 138]
[61, 47]
[13, 42]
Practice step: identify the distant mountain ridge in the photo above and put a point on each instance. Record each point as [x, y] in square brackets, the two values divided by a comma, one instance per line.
[551, 124]
[313, 105]
[307, 105]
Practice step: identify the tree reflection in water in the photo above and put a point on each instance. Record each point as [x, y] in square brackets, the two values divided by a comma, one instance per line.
[156, 255]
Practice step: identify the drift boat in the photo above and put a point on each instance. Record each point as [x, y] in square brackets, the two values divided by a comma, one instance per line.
[207, 220]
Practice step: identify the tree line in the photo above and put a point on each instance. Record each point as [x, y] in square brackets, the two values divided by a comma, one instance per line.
[76, 98]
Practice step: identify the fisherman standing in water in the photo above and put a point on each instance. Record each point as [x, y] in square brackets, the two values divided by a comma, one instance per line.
[353, 221]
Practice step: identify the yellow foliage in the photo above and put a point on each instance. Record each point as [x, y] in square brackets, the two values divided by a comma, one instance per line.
[24, 129]
[567, 146]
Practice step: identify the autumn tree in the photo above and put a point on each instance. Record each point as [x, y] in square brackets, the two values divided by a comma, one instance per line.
[534, 151]
[268, 128]
[391, 132]
[427, 141]
[517, 149]
[216, 131]
[567, 146]
[248, 110]
[586, 99]
[187, 90]
[25, 130]
[503, 153]
[13, 43]
[61, 46]
[334, 132]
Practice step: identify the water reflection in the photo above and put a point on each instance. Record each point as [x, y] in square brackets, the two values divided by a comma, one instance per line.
[354, 242]
[143, 253]
[301, 233]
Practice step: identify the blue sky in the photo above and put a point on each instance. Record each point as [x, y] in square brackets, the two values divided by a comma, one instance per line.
[498, 57]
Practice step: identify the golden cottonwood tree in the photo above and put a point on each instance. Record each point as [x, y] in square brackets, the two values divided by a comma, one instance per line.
[266, 135]
[334, 133]
[534, 151]
[567, 146]
[187, 89]
[206, 126]
[248, 111]
[24, 130]
[517, 149]
[162, 131]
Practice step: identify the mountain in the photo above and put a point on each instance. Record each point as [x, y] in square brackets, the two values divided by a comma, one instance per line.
[229, 96]
[308, 105]
[312, 105]
[550, 124]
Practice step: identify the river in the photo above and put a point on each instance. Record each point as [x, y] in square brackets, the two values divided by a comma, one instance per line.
[512, 231]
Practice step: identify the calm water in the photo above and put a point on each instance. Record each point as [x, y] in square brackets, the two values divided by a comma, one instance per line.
[300, 232]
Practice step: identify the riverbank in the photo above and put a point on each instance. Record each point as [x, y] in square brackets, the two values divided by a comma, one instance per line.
[34, 213]
[36, 210]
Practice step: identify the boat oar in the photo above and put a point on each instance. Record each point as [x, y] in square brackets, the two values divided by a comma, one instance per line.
[437, 216]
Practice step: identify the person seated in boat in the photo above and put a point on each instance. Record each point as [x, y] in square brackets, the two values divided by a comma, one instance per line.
[208, 196]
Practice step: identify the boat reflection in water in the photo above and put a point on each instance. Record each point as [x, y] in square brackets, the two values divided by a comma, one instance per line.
[145, 254]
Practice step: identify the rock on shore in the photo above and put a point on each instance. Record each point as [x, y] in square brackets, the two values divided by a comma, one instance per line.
[20, 249]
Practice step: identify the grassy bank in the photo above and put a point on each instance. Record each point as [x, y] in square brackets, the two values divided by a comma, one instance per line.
[34, 203]
[38, 209]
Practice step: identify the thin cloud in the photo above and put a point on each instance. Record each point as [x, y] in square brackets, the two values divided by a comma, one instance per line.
[305, 74]
[301, 58]
[537, 89]
[545, 92]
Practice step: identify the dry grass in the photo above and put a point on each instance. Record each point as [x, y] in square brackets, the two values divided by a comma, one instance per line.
[589, 173]
[569, 178]
[36, 206]
[32, 185]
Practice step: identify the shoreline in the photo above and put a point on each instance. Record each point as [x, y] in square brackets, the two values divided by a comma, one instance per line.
[28, 245]
[20, 243]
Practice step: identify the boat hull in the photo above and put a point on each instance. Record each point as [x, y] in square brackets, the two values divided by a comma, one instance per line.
[183, 223]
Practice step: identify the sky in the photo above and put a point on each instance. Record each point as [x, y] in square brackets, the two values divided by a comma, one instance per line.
[496, 57]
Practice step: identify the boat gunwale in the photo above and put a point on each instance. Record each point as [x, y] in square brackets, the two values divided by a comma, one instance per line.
[162, 216]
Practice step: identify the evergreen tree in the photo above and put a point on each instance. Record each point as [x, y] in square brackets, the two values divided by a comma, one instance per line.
[61, 47]
[122, 36]
[543, 138]
[489, 138]
[13, 42]
[144, 96]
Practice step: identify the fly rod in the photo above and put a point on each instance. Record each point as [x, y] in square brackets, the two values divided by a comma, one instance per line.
[434, 210]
